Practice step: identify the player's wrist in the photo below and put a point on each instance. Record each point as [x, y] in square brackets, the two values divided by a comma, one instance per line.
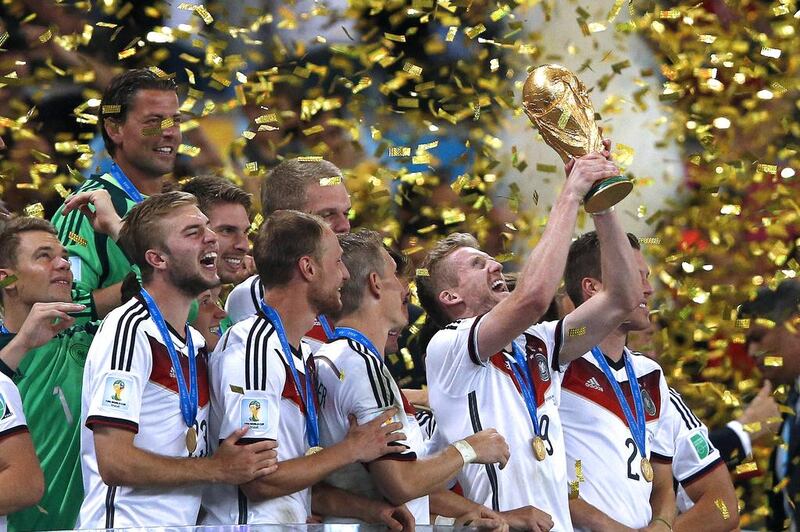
[659, 523]
[466, 451]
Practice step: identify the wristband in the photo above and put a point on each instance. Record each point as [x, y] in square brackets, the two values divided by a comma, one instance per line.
[669, 526]
[465, 450]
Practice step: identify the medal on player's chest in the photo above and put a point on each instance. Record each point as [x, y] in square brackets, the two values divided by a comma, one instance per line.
[313, 450]
[647, 470]
[539, 451]
[191, 440]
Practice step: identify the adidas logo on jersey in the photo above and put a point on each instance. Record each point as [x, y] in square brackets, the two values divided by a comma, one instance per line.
[592, 383]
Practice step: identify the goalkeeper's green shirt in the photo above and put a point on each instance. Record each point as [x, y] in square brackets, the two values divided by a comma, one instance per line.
[50, 379]
[96, 260]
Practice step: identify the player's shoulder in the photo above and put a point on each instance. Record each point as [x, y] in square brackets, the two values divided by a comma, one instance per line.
[198, 340]
[244, 299]
[447, 334]
[128, 315]
[343, 352]
[544, 329]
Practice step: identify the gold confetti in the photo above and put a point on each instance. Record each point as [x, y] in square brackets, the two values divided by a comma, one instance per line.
[258, 219]
[422, 272]
[394, 37]
[577, 331]
[773, 361]
[474, 31]
[650, 241]
[564, 118]
[723, 509]
[78, 239]
[126, 53]
[251, 168]
[547, 168]
[237, 389]
[61, 191]
[191, 151]
[309, 158]
[35, 209]
[411, 103]
[767, 168]
[451, 34]
[319, 128]
[8, 280]
[399, 151]
[747, 467]
[111, 109]
[770, 52]
[412, 69]
[330, 181]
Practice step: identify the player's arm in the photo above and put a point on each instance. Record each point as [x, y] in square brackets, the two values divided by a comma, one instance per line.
[541, 274]
[662, 497]
[20, 473]
[329, 501]
[465, 512]
[620, 295]
[716, 508]
[401, 480]
[586, 516]
[363, 443]
[121, 463]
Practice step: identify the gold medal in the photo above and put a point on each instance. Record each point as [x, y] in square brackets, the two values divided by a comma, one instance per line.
[191, 440]
[313, 450]
[647, 470]
[539, 450]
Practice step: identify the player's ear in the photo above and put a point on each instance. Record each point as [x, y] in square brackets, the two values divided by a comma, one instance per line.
[590, 286]
[449, 298]
[374, 284]
[308, 267]
[156, 259]
[113, 129]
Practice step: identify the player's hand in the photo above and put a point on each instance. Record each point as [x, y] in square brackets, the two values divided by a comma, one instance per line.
[394, 517]
[484, 519]
[238, 464]
[104, 218]
[584, 171]
[45, 321]
[490, 447]
[762, 410]
[528, 518]
[372, 440]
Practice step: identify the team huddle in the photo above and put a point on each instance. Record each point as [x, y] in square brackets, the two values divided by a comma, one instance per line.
[128, 399]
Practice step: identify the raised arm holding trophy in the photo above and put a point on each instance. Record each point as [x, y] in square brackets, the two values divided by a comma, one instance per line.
[556, 102]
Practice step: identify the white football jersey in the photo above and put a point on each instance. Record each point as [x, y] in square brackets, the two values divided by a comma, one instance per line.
[252, 385]
[597, 433]
[468, 395]
[129, 383]
[12, 418]
[694, 455]
[244, 301]
[353, 381]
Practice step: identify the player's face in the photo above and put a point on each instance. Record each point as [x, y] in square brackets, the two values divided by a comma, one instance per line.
[151, 152]
[42, 270]
[191, 251]
[231, 224]
[395, 304]
[639, 319]
[325, 296]
[481, 285]
[332, 204]
[781, 341]
[209, 315]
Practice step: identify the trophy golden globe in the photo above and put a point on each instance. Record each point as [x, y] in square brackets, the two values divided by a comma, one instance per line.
[556, 102]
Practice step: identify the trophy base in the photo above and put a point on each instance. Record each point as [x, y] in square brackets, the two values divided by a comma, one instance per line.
[606, 194]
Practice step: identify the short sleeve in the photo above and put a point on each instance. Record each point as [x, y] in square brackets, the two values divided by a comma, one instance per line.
[243, 300]
[12, 418]
[694, 455]
[257, 407]
[452, 360]
[119, 364]
[547, 338]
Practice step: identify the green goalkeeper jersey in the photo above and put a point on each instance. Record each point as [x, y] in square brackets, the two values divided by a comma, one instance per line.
[96, 260]
[50, 379]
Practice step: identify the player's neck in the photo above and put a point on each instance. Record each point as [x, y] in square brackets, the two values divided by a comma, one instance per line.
[367, 323]
[173, 303]
[145, 183]
[613, 345]
[296, 313]
[14, 314]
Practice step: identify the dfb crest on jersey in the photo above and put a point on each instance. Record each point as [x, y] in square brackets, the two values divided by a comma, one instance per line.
[541, 363]
[649, 404]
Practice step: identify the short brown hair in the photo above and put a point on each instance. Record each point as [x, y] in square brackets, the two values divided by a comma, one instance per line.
[583, 261]
[10, 239]
[285, 186]
[142, 227]
[362, 256]
[212, 190]
[119, 95]
[437, 277]
[283, 239]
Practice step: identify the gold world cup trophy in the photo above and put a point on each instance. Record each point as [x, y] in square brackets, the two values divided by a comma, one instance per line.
[556, 102]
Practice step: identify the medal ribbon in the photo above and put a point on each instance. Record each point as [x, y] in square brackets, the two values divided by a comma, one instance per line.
[312, 427]
[3, 329]
[188, 397]
[129, 188]
[326, 326]
[637, 424]
[525, 384]
[352, 334]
